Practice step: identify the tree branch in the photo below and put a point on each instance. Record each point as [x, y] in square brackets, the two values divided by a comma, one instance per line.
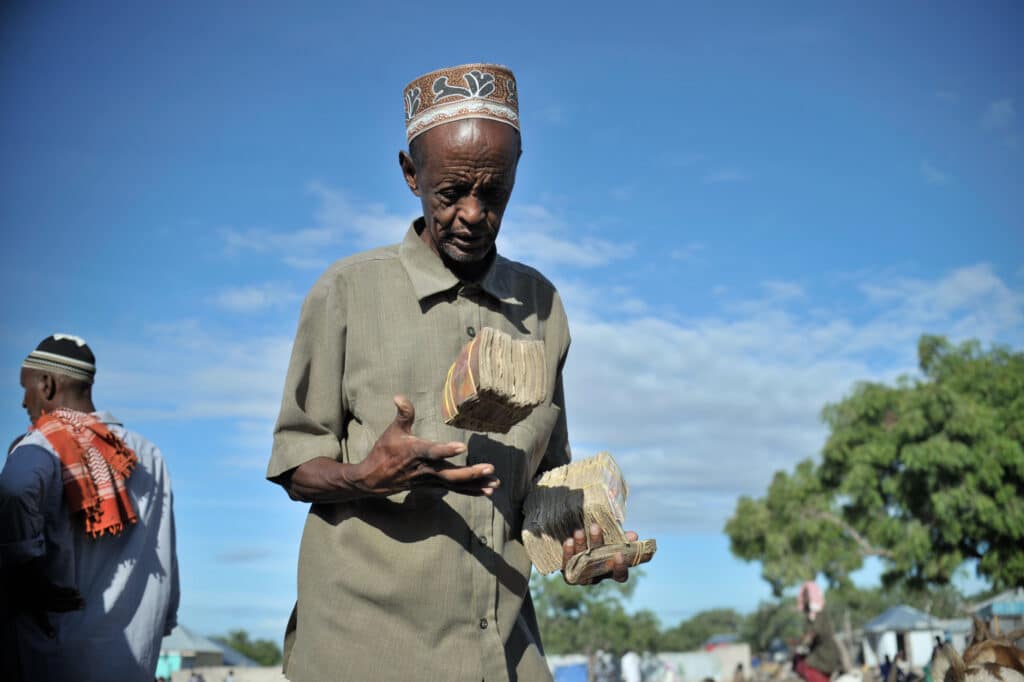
[865, 547]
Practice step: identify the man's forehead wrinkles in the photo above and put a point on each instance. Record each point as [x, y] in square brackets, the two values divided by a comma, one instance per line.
[468, 174]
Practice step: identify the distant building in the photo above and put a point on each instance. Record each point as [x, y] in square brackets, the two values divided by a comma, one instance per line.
[902, 628]
[1005, 610]
[184, 649]
[720, 640]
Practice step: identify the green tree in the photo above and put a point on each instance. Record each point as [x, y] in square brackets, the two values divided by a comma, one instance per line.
[772, 620]
[263, 651]
[583, 619]
[924, 474]
[693, 633]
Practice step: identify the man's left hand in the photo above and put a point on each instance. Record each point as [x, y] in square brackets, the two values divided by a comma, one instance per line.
[577, 544]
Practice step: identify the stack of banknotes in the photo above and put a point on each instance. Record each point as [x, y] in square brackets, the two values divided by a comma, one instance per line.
[573, 497]
[494, 382]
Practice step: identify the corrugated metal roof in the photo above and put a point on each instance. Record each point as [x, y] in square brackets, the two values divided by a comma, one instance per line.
[1009, 603]
[901, 618]
[183, 639]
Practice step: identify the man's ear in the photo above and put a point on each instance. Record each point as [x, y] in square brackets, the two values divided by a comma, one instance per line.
[48, 383]
[409, 171]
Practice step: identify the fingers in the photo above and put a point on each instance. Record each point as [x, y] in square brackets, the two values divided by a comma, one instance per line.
[477, 479]
[620, 572]
[568, 550]
[445, 450]
[406, 413]
[480, 475]
[579, 541]
[616, 567]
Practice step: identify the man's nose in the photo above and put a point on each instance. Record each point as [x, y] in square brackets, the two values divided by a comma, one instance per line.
[472, 211]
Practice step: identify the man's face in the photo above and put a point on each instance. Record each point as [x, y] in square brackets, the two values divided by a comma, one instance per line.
[35, 393]
[464, 180]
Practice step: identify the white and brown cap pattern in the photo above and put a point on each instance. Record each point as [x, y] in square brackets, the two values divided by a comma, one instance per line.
[63, 354]
[457, 92]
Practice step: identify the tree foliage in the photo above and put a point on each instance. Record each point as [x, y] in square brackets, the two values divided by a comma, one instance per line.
[772, 621]
[584, 619]
[924, 474]
[263, 651]
[578, 619]
[691, 634]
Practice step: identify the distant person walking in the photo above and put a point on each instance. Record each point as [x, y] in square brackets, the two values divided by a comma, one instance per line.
[87, 544]
[822, 657]
[631, 667]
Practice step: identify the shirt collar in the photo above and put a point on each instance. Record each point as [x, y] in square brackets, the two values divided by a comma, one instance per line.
[107, 418]
[429, 276]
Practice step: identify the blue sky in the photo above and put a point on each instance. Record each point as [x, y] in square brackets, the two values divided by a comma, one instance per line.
[747, 208]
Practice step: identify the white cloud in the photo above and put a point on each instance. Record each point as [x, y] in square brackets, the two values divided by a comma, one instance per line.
[933, 175]
[701, 411]
[370, 224]
[782, 291]
[338, 222]
[697, 410]
[256, 297]
[542, 239]
[204, 372]
[1000, 115]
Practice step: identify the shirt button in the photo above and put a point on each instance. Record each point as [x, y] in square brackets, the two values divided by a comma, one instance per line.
[483, 623]
[483, 540]
[471, 332]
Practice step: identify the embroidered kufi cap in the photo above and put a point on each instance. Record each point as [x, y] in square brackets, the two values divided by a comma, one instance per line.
[467, 91]
[63, 354]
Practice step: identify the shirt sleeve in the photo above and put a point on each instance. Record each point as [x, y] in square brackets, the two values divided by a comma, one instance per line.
[24, 482]
[312, 415]
[558, 451]
[171, 620]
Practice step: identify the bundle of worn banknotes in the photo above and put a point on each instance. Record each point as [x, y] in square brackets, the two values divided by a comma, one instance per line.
[493, 384]
[573, 496]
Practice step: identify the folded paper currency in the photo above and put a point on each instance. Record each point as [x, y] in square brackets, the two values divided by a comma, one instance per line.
[494, 383]
[586, 566]
[574, 496]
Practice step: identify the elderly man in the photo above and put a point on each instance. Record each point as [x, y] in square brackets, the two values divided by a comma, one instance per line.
[411, 564]
[87, 541]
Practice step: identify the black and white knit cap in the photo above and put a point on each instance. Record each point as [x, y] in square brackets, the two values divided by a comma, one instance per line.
[63, 354]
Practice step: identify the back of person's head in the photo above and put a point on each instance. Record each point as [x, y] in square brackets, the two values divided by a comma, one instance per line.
[64, 355]
[58, 373]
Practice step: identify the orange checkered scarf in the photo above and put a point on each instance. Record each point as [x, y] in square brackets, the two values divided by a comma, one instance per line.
[95, 465]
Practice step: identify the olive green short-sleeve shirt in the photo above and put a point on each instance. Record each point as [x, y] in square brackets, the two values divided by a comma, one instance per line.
[428, 584]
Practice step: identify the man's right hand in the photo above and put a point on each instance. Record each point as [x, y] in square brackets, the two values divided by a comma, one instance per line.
[398, 461]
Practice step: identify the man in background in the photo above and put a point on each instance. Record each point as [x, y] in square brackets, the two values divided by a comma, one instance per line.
[823, 657]
[87, 544]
